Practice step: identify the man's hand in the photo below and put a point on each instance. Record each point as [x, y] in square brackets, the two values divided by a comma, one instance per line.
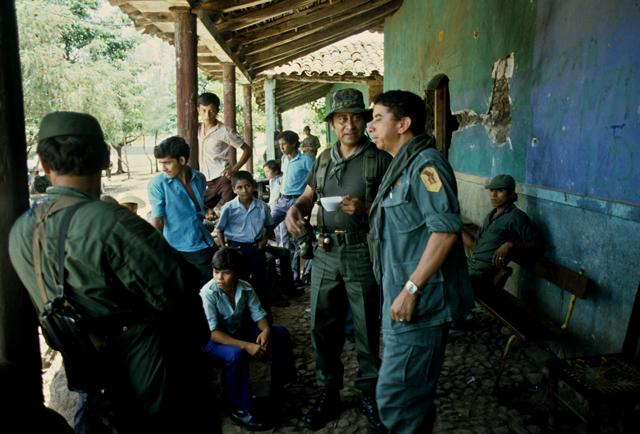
[263, 338]
[230, 171]
[403, 306]
[255, 350]
[293, 220]
[501, 256]
[353, 206]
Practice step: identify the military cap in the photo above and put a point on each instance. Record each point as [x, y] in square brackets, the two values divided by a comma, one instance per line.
[501, 181]
[69, 124]
[347, 101]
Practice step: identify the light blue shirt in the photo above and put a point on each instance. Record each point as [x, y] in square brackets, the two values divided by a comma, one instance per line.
[183, 228]
[221, 315]
[244, 225]
[294, 173]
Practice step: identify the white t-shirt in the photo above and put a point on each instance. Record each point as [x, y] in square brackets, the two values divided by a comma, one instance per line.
[214, 145]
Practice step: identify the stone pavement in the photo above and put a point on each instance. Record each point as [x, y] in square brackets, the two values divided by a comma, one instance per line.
[465, 402]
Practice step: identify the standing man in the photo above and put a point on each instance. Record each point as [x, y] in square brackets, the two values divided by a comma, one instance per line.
[125, 281]
[506, 232]
[215, 140]
[177, 205]
[342, 274]
[295, 171]
[310, 143]
[419, 260]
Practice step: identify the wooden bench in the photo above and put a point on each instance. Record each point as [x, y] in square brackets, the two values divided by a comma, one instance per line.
[601, 378]
[524, 323]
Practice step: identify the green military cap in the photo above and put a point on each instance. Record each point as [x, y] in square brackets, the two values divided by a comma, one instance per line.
[69, 124]
[501, 181]
[350, 101]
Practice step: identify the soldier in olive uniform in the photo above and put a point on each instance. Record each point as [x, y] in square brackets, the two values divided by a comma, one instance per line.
[419, 260]
[342, 275]
[133, 290]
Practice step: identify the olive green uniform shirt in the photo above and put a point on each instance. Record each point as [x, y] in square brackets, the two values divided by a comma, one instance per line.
[127, 280]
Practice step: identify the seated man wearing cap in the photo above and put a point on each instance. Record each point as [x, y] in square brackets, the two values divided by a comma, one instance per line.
[507, 231]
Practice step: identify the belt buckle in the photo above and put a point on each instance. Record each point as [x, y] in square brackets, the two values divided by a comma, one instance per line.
[341, 236]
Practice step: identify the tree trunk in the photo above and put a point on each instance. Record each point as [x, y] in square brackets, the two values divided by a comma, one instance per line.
[118, 149]
[146, 154]
[155, 143]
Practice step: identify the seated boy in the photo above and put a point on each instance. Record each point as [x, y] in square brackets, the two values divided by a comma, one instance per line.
[229, 303]
[243, 224]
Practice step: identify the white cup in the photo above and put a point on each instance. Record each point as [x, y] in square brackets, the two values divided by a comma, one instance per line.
[331, 203]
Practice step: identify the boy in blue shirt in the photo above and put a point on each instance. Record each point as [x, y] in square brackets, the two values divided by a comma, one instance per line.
[228, 303]
[243, 223]
[177, 205]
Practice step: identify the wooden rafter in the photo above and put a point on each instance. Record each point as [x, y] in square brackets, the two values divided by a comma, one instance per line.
[251, 18]
[226, 6]
[351, 15]
[294, 23]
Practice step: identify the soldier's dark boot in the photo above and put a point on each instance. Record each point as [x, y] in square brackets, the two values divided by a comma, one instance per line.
[369, 408]
[325, 409]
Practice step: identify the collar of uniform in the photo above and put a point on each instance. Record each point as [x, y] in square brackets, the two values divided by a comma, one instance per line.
[235, 203]
[507, 209]
[298, 154]
[67, 191]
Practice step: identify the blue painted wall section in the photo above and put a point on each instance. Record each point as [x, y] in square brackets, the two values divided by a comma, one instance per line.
[574, 136]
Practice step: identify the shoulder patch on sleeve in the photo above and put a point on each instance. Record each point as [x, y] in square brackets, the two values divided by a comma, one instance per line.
[431, 179]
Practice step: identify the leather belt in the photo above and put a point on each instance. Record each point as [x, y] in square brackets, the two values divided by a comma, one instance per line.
[347, 237]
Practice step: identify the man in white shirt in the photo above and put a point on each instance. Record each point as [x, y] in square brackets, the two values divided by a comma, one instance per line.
[215, 141]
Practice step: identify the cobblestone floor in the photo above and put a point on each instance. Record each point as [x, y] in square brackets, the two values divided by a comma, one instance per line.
[465, 400]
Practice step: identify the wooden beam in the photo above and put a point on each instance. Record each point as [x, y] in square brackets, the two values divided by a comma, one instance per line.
[19, 343]
[229, 98]
[270, 116]
[211, 28]
[331, 33]
[187, 80]
[159, 17]
[249, 19]
[227, 6]
[301, 19]
[325, 78]
[247, 122]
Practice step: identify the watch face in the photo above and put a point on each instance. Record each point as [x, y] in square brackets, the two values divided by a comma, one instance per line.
[411, 287]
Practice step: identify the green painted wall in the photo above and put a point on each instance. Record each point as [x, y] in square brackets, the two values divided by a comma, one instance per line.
[574, 138]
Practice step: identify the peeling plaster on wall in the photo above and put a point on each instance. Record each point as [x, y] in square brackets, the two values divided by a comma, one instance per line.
[497, 120]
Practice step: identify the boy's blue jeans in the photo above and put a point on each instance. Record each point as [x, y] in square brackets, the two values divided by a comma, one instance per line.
[236, 364]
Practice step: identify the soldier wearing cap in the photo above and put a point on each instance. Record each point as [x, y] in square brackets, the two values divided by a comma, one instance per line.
[310, 144]
[505, 232]
[342, 276]
[129, 285]
[418, 259]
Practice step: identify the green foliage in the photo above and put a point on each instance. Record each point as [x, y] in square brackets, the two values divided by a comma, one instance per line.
[78, 55]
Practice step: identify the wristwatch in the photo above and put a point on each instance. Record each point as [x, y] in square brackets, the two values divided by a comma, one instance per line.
[412, 288]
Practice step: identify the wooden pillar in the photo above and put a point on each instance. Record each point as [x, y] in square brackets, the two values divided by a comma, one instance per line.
[375, 88]
[270, 115]
[187, 79]
[18, 326]
[229, 95]
[247, 122]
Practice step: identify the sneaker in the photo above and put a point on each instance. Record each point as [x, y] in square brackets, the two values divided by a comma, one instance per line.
[326, 408]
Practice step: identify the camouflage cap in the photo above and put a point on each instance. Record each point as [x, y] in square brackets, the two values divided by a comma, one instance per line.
[350, 101]
[501, 182]
[69, 124]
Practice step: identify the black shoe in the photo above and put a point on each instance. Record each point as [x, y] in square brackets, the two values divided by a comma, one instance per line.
[246, 419]
[369, 408]
[326, 408]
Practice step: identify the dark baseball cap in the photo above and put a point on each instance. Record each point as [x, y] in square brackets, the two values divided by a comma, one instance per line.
[501, 182]
[69, 124]
[348, 101]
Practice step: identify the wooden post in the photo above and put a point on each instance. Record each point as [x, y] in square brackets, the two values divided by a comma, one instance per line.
[187, 79]
[229, 95]
[18, 326]
[270, 116]
[375, 88]
[247, 122]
